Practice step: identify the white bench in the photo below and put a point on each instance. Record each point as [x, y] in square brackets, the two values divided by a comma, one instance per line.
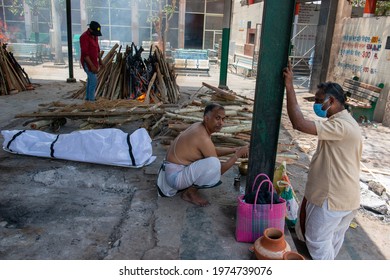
[204, 64]
[180, 63]
[362, 99]
[191, 62]
[244, 62]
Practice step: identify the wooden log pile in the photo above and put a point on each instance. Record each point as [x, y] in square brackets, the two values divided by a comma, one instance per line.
[94, 115]
[159, 118]
[128, 76]
[163, 121]
[13, 78]
[236, 130]
[237, 127]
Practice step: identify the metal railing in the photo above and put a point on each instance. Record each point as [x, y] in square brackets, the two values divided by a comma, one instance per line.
[302, 53]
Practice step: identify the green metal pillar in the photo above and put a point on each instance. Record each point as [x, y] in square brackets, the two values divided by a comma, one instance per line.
[273, 57]
[225, 45]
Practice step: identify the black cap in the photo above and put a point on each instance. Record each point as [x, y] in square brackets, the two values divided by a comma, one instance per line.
[95, 28]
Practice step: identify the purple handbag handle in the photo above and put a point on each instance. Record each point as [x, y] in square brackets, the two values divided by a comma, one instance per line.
[270, 186]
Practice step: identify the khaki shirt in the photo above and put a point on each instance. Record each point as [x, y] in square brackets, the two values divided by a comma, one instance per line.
[335, 166]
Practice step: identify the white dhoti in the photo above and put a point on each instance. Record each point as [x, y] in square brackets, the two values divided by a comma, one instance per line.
[204, 173]
[324, 230]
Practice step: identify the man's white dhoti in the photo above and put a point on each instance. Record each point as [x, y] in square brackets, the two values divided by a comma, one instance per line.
[324, 230]
[204, 173]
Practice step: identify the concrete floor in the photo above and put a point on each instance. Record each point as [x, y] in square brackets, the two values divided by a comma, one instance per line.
[56, 209]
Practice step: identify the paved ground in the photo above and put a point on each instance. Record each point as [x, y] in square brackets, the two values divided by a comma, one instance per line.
[55, 209]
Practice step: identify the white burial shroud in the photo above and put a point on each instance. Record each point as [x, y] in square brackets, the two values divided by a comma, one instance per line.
[104, 146]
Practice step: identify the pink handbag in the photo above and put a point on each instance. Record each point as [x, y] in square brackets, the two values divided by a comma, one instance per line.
[253, 219]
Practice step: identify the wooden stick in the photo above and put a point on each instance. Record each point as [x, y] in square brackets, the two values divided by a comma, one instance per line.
[112, 121]
[225, 94]
[161, 85]
[158, 122]
[373, 171]
[118, 88]
[366, 169]
[117, 70]
[238, 128]
[100, 89]
[178, 126]
[183, 117]
[231, 139]
[147, 98]
[189, 109]
[284, 155]
[88, 114]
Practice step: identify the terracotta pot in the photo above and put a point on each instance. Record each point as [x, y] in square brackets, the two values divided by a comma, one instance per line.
[272, 245]
[293, 256]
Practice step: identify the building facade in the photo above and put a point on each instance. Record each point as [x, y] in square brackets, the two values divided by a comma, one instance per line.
[192, 23]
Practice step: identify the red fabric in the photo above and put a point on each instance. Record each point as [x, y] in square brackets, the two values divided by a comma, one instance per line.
[297, 7]
[302, 217]
[89, 46]
[370, 7]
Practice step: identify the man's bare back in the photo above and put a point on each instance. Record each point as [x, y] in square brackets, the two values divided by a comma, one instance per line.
[191, 145]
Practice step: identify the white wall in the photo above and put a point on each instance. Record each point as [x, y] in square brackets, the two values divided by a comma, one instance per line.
[363, 53]
[241, 15]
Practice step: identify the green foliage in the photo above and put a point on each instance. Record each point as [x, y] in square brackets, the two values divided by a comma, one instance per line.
[35, 5]
[17, 7]
[153, 19]
[169, 10]
[357, 3]
[382, 8]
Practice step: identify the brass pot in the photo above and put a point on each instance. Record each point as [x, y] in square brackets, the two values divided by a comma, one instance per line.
[243, 168]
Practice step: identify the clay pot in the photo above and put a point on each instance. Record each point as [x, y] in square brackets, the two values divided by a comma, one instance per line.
[243, 168]
[272, 245]
[293, 256]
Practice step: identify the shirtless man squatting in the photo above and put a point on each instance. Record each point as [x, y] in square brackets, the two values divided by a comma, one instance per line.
[192, 160]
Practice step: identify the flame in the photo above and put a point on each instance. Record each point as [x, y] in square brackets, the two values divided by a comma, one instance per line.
[3, 29]
[142, 97]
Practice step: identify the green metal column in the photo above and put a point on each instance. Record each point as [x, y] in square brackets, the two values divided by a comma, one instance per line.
[225, 45]
[273, 57]
[224, 58]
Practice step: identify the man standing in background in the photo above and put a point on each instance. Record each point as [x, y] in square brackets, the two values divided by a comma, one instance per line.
[90, 57]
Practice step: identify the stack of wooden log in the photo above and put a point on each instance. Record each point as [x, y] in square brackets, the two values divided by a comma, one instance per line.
[92, 115]
[236, 130]
[13, 78]
[128, 76]
[163, 121]
[238, 124]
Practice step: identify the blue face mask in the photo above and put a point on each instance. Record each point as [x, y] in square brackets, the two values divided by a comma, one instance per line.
[318, 109]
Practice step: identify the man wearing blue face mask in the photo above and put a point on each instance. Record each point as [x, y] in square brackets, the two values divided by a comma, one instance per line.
[317, 107]
[332, 192]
